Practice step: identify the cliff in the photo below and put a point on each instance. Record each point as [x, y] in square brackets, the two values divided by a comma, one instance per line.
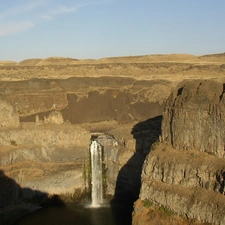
[46, 127]
[184, 172]
[194, 117]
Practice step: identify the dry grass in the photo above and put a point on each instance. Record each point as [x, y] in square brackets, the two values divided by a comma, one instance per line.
[175, 67]
[155, 215]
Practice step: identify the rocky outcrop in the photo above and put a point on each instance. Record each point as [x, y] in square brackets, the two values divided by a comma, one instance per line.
[185, 172]
[194, 117]
[189, 183]
[111, 153]
[189, 169]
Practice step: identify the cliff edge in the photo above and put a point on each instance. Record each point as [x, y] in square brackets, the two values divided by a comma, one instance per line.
[184, 173]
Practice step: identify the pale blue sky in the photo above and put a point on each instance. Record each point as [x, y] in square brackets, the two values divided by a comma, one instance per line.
[105, 28]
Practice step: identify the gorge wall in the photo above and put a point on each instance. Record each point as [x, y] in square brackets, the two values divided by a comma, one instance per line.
[185, 172]
[46, 127]
[117, 98]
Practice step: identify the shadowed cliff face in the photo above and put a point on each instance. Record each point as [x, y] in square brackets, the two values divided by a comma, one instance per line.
[17, 202]
[128, 182]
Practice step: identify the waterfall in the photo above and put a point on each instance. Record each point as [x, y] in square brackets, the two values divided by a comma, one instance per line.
[96, 173]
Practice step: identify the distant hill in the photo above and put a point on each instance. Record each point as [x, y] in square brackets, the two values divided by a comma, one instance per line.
[57, 61]
[214, 55]
[47, 61]
[30, 62]
[7, 63]
[219, 57]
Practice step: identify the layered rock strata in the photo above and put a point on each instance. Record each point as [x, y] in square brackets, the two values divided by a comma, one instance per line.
[185, 172]
[194, 117]
[121, 99]
[46, 128]
[51, 160]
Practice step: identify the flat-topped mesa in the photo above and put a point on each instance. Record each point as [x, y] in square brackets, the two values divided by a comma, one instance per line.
[194, 117]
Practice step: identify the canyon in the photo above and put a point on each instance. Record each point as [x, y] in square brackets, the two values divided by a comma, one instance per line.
[159, 119]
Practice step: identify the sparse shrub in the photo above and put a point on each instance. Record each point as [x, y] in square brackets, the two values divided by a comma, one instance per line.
[166, 211]
[148, 203]
[193, 155]
[13, 143]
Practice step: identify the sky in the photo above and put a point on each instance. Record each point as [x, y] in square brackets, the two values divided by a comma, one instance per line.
[96, 29]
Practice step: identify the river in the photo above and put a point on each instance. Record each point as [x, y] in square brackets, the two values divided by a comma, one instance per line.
[79, 214]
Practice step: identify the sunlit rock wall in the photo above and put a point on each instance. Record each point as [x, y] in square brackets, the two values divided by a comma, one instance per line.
[185, 171]
[194, 117]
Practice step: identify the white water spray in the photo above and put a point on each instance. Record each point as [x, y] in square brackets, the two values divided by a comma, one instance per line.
[96, 174]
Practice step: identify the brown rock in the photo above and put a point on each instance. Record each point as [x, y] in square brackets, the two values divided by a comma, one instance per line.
[194, 117]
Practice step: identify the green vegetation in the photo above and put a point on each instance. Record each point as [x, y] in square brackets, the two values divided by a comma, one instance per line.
[104, 178]
[159, 209]
[166, 211]
[148, 203]
[13, 143]
[87, 176]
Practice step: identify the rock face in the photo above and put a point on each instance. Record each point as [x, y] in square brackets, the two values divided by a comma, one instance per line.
[51, 160]
[41, 164]
[185, 172]
[111, 152]
[194, 117]
[47, 129]
[189, 183]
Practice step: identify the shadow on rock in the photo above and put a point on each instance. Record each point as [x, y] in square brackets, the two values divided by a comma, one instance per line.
[128, 182]
[16, 202]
